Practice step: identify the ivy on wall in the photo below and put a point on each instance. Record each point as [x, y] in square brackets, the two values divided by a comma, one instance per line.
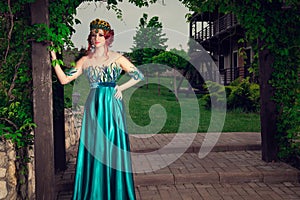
[274, 21]
[16, 121]
[16, 35]
[277, 23]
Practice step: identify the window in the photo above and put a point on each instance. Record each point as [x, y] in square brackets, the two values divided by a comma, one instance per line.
[221, 62]
[248, 59]
[235, 59]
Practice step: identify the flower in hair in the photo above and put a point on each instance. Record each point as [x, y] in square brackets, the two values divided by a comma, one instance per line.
[100, 24]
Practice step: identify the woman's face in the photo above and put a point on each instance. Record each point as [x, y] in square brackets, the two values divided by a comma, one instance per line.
[98, 38]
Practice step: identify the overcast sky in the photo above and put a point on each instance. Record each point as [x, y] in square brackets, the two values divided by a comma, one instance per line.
[172, 16]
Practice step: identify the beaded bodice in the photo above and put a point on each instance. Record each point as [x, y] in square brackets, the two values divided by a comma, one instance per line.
[100, 74]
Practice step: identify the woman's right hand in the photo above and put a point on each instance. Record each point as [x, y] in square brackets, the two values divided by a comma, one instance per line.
[53, 55]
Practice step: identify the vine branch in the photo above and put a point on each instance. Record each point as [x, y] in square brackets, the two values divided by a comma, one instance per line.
[11, 16]
[10, 122]
[12, 85]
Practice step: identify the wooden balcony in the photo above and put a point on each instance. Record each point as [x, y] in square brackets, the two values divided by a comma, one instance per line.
[216, 28]
[226, 76]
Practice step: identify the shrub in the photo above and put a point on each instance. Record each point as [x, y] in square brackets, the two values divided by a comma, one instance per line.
[244, 95]
[216, 95]
[240, 94]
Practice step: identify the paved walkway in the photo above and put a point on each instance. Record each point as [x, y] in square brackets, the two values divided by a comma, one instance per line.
[232, 170]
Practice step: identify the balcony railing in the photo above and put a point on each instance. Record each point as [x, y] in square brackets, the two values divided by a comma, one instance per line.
[227, 75]
[213, 28]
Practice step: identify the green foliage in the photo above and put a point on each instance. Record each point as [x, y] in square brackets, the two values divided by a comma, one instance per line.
[16, 115]
[148, 41]
[143, 99]
[16, 35]
[15, 86]
[16, 126]
[287, 82]
[244, 95]
[174, 58]
[240, 94]
[215, 95]
[276, 24]
[141, 3]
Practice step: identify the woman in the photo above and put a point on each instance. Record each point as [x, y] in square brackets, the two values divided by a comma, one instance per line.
[103, 169]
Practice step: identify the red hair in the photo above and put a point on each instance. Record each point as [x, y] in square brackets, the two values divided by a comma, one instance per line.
[109, 38]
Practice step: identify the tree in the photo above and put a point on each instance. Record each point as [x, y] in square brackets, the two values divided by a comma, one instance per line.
[274, 22]
[176, 59]
[272, 26]
[16, 89]
[148, 41]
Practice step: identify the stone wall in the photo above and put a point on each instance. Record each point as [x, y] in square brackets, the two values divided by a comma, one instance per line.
[8, 180]
[72, 131]
[31, 176]
[8, 175]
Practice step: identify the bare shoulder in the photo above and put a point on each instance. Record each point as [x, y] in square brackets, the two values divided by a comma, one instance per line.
[122, 60]
[81, 61]
[125, 63]
[114, 55]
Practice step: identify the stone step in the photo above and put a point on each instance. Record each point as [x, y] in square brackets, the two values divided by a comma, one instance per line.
[191, 143]
[216, 167]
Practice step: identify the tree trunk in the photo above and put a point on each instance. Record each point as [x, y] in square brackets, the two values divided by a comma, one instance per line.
[268, 107]
[158, 85]
[175, 84]
[42, 108]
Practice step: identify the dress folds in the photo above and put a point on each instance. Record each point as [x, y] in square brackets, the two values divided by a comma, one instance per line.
[103, 168]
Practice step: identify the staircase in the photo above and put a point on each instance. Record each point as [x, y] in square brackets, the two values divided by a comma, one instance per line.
[235, 159]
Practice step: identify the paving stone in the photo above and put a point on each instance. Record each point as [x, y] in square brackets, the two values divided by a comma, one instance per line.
[164, 194]
[288, 175]
[204, 178]
[154, 179]
[240, 191]
[230, 171]
[231, 141]
[238, 177]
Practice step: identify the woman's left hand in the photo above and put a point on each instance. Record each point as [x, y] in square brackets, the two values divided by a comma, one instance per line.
[118, 94]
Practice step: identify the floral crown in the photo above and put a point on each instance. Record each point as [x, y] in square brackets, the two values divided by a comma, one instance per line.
[100, 24]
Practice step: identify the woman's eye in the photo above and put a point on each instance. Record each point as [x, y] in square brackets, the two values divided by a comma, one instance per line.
[100, 35]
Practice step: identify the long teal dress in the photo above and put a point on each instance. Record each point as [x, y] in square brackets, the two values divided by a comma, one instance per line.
[103, 169]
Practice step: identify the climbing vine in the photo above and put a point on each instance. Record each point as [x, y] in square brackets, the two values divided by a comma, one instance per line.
[16, 121]
[276, 23]
[16, 35]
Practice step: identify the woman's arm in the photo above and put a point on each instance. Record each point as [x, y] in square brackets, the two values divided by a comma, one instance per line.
[136, 76]
[75, 72]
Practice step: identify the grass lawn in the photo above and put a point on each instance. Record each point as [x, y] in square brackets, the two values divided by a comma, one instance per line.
[166, 113]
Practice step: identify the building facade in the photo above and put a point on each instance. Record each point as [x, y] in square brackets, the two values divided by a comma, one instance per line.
[223, 38]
